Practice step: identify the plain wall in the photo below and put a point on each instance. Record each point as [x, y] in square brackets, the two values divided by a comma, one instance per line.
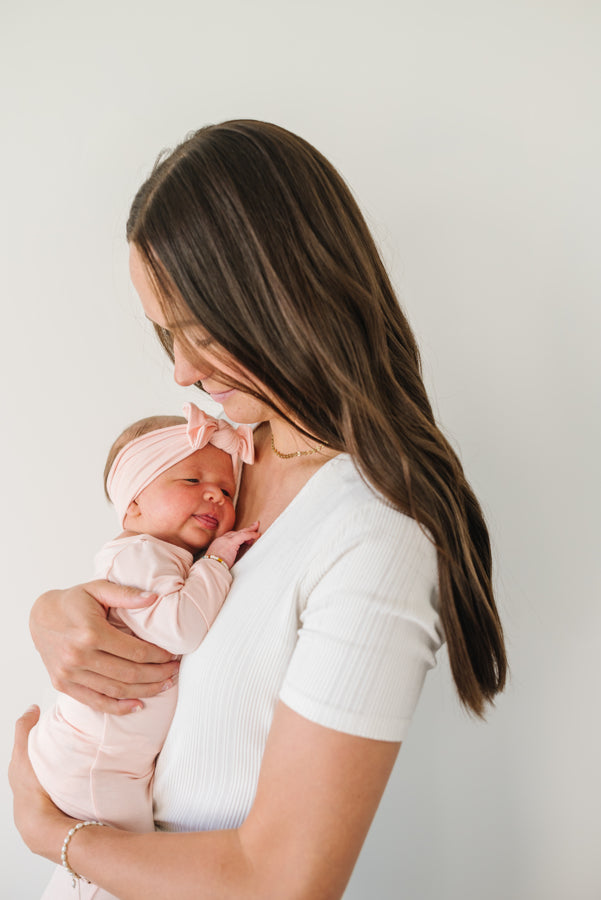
[470, 134]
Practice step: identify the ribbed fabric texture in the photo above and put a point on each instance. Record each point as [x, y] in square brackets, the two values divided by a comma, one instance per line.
[333, 610]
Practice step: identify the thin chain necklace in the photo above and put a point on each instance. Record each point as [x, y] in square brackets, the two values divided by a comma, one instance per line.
[296, 452]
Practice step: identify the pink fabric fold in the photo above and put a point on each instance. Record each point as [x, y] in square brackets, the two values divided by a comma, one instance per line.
[148, 456]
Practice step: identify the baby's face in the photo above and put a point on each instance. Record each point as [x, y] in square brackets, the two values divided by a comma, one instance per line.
[190, 504]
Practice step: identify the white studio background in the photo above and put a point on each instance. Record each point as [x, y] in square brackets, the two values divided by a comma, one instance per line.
[470, 133]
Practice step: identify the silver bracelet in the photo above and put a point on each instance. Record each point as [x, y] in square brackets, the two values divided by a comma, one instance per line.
[218, 558]
[64, 858]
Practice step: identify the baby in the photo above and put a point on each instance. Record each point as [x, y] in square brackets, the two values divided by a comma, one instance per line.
[173, 484]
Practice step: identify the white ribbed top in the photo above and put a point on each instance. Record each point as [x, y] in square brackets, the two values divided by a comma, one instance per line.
[333, 610]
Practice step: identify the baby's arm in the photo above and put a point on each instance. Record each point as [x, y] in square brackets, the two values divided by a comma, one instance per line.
[188, 603]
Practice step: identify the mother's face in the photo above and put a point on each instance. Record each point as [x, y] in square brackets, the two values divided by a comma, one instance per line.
[208, 367]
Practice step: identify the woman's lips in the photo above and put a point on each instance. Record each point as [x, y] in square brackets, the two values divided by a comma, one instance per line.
[220, 396]
[207, 521]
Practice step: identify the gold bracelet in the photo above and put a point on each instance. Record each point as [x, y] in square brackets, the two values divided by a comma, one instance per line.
[64, 858]
[218, 558]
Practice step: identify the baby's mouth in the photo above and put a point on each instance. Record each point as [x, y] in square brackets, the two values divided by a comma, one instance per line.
[207, 521]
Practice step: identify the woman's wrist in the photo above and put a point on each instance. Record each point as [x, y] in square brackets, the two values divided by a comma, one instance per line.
[45, 832]
[66, 844]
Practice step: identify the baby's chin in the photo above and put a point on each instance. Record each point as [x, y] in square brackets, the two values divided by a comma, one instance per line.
[196, 549]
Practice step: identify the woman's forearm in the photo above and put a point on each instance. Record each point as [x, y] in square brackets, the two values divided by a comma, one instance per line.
[317, 793]
[196, 865]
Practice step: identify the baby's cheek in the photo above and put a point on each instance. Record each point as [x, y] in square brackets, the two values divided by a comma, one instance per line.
[229, 518]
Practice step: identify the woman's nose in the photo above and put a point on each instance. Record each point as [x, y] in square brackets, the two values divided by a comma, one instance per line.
[185, 372]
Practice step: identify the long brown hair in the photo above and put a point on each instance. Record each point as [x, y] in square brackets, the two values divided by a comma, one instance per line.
[251, 234]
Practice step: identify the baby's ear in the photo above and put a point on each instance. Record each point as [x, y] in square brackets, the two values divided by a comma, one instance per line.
[133, 510]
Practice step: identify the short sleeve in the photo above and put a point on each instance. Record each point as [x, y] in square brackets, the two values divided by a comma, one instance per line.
[370, 627]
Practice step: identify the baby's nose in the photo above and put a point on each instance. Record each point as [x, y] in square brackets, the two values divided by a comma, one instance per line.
[213, 493]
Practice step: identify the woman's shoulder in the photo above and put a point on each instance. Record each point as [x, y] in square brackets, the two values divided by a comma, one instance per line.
[341, 481]
[352, 510]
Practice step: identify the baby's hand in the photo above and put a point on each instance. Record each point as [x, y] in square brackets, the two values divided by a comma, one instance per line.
[228, 545]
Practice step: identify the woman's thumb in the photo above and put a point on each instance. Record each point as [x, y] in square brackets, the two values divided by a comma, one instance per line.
[110, 594]
[26, 722]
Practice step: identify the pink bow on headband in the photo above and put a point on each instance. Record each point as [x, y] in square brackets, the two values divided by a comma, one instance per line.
[203, 429]
[148, 456]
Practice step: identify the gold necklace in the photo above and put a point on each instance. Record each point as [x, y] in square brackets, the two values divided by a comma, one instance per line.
[296, 452]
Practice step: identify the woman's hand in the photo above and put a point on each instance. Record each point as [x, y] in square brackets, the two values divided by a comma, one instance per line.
[91, 660]
[40, 823]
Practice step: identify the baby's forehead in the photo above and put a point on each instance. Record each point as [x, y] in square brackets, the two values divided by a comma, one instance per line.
[212, 457]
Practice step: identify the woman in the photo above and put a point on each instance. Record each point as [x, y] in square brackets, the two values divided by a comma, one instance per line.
[253, 261]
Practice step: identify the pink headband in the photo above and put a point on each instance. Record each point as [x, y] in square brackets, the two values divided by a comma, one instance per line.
[146, 457]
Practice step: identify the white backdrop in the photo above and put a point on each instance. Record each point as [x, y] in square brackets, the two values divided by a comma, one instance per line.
[470, 133]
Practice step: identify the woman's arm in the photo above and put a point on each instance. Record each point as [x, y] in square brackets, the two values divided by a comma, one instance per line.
[88, 658]
[317, 794]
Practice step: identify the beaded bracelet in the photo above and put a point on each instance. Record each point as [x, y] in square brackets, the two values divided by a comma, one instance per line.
[218, 558]
[64, 858]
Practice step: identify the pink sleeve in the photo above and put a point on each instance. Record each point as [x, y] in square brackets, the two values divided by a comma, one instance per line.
[188, 603]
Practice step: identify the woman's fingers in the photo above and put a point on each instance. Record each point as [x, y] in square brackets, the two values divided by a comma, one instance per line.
[117, 677]
[100, 702]
[122, 680]
[19, 762]
[136, 675]
[103, 637]
[34, 812]
[118, 595]
[105, 654]
[108, 695]
[23, 726]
